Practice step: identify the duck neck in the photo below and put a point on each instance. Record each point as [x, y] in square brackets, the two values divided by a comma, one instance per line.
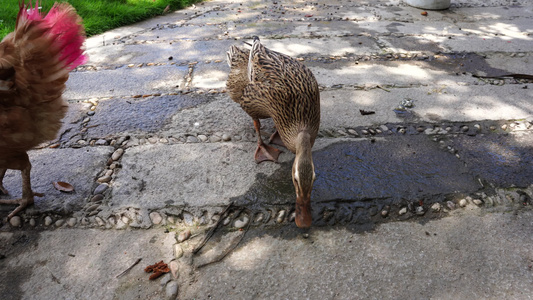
[303, 147]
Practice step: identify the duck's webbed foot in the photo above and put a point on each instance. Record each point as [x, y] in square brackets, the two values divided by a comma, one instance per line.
[266, 153]
[276, 139]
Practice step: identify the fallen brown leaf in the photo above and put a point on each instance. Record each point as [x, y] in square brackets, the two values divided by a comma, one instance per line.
[63, 186]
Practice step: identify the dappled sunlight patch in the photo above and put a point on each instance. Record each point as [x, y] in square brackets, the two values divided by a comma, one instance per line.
[253, 256]
[210, 79]
[503, 31]
[295, 47]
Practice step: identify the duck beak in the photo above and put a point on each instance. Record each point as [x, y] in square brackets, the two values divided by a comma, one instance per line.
[303, 217]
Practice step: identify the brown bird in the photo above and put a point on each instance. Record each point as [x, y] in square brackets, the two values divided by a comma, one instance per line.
[35, 61]
[268, 84]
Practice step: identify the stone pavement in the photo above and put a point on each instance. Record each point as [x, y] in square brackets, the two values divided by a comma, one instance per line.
[427, 197]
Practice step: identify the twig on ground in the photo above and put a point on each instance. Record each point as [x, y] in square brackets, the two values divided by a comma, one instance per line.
[126, 271]
[227, 251]
[211, 231]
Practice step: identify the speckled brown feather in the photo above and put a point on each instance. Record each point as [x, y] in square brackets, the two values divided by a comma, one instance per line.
[276, 86]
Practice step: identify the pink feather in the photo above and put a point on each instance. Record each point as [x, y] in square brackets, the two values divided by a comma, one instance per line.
[65, 26]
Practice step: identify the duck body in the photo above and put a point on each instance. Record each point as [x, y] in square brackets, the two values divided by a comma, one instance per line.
[269, 84]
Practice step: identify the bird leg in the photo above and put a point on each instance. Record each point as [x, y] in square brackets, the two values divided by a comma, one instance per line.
[27, 193]
[264, 152]
[276, 139]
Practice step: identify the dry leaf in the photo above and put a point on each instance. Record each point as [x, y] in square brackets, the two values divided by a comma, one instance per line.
[63, 186]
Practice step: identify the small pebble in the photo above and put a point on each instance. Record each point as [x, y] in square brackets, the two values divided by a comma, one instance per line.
[85, 221]
[305, 235]
[462, 202]
[97, 197]
[125, 219]
[117, 154]
[226, 221]
[15, 221]
[504, 127]
[402, 211]
[183, 236]
[59, 222]
[48, 221]
[171, 220]
[436, 207]
[72, 222]
[163, 140]
[101, 142]
[178, 251]
[156, 218]
[174, 268]
[120, 224]
[112, 221]
[464, 128]
[32, 222]
[373, 211]
[384, 128]
[164, 279]
[281, 216]
[214, 139]
[99, 221]
[292, 216]
[92, 207]
[420, 210]
[202, 138]
[226, 137]
[192, 139]
[384, 213]
[477, 202]
[104, 179]
[171, 290]
[152, 140]
[477, 127]
[353, 132]
[188, 219]
[241, 222]
[450, 205]
[259, 218]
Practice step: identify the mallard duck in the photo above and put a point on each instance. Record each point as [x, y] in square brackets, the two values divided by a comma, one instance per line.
[268, 84]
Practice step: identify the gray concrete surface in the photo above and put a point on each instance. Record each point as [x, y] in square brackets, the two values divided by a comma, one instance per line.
[432, 200]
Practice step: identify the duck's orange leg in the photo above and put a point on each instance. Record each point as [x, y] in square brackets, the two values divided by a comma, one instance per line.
[264, 152]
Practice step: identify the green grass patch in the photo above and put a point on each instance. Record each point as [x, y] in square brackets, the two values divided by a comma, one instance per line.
[98, 15]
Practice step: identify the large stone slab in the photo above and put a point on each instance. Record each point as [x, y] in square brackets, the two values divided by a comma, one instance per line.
[340, 108]
[199, 175]
[159, 52]
[500, 160]
[155, 176]
[455, 257]
[43, 263]
[79, 167]
[170, 32]
[143, 115]
[432, 104]
[125, 81]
